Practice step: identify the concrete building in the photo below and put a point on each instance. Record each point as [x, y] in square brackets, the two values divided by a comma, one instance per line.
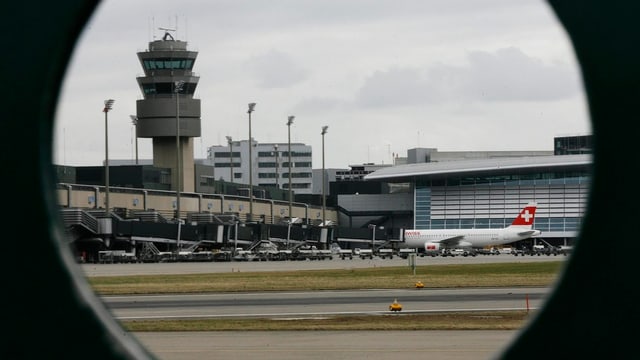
[270, 165]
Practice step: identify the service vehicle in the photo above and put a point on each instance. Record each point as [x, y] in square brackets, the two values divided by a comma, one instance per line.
[366, 253]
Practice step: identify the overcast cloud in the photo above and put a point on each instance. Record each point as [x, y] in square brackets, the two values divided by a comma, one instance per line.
[385, 76]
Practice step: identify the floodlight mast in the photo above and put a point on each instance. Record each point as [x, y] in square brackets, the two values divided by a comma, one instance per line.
[324, 199]
[134, 121]
[177, 88]
[230, 141]
[249, 111]
[108, 105]
[289, 123]
[275, 149]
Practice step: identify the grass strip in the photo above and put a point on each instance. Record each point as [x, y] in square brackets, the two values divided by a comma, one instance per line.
[432, 276]
[495, 320]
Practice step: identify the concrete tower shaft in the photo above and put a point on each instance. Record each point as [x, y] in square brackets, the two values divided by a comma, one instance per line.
[168, 112]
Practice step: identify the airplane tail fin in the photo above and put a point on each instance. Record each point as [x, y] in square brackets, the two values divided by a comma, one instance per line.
[525, 218]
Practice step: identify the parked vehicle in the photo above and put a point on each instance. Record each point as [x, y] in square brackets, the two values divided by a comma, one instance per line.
[404, 253]
[366, 253]
[564, 250]
[385, 253]
[506, 250]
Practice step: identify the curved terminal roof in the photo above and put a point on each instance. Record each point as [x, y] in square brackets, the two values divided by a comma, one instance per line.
[406, 173]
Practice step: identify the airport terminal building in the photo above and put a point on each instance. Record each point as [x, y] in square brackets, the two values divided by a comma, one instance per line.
[489, 193]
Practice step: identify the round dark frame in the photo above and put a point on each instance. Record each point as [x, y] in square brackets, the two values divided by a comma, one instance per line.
[50, 312]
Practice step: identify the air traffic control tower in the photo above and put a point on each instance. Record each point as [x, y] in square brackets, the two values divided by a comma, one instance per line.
[168, 113]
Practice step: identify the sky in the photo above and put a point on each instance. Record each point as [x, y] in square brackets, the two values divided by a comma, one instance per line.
[384, 76]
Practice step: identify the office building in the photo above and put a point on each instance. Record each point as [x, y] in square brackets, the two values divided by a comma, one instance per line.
[271, 165]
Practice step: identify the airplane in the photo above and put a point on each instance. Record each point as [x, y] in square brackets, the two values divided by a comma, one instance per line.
[445, 240]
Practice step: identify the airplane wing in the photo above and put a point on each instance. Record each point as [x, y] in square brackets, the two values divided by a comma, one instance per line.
[452, 241]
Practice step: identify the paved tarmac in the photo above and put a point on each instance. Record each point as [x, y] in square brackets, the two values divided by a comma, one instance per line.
[326, 345]
[336, 263]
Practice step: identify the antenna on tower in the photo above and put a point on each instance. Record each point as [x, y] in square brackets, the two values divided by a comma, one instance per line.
[166, 33]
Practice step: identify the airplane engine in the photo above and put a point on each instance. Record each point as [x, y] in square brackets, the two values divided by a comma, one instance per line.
[431, 247]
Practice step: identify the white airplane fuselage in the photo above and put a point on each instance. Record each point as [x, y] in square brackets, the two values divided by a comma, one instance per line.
[433, 240]
[466, 238]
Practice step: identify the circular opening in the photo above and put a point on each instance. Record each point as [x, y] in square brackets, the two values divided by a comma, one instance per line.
[381, 93]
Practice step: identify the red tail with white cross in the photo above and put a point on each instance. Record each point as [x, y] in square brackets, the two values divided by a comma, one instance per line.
[525, 218]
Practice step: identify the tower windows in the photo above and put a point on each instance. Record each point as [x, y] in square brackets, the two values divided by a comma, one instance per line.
[168, 64]
[166, 88]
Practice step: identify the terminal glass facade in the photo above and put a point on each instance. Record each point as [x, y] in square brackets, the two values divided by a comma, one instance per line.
[494, 202]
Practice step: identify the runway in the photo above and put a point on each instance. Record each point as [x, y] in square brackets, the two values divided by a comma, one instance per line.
[301, 304]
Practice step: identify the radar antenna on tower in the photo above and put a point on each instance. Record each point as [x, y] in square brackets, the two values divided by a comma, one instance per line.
[166, 33]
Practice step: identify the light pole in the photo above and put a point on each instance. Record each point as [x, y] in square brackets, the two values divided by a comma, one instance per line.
[373, 235]
[275, 150]
[108, 104]
[230, 141]
[324, 200]
[289, 122]
[251, 108]
[134, 121]
[177, 89]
